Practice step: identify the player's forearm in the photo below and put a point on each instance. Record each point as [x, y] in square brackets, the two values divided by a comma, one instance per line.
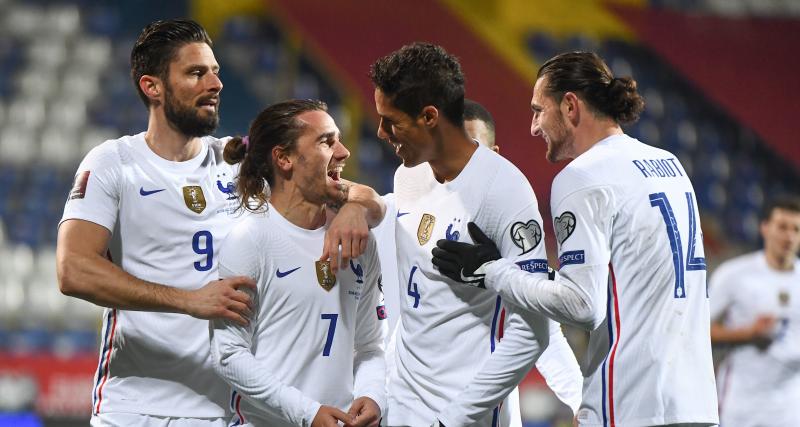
[370, 200]
[524, 340]
[560, 369]
[96, 279]
[235, 363]
[724, 335]
[557, 299]
[369, 372]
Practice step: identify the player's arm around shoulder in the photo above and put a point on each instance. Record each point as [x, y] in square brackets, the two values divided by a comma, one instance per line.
[358, 208]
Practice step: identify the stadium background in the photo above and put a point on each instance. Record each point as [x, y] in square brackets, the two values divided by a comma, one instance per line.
[719, 78]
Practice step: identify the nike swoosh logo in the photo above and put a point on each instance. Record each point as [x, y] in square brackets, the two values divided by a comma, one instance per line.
[144, 192]
[280, 273]
[399, 214]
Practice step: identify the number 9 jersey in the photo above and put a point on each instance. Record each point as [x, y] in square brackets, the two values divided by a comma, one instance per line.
[172, 217]
[629, 239]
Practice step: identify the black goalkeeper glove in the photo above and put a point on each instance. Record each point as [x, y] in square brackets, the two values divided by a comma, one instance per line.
[465, 262]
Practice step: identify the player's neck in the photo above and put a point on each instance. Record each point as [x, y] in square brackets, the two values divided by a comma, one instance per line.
[455, 150]
[594, 132]
[168, 142]
[290, 203]
[779, 262]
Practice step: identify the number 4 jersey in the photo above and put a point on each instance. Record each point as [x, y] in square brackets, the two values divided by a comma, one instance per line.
[629, 237]
[172, 217]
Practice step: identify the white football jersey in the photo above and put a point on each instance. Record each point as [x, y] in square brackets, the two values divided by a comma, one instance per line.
[758, 387]
[447, 332]
[387, 252]
[628, 232]
[172, 217]
[316, 336]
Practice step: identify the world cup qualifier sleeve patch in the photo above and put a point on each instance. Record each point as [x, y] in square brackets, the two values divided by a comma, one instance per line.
[526, 235]
[79, 186]
[564, 225]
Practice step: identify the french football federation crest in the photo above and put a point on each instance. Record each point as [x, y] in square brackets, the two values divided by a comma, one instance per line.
[325, 276]
[358, 271]
[783, 298]
[425, 228]
[526, 235]
[194, 198]
[564, 225]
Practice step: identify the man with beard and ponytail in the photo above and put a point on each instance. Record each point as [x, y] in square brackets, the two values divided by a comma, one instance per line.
[172, 196]
[632, 266]
[314, 347]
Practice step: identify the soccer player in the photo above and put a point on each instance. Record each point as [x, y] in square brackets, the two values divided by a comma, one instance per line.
[315, 341]
[632, 270]
[172, 195]
[755, 308]
[447, 334]
[479, 124]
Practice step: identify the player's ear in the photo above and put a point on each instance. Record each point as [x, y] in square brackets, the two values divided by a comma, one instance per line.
[152, 87]
[430, 115]
[569, 107]
[281, 159]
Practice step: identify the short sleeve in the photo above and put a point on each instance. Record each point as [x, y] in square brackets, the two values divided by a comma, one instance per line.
[719, 292]
[96, 190]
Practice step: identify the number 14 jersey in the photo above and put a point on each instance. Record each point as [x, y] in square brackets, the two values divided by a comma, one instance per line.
[628, 232]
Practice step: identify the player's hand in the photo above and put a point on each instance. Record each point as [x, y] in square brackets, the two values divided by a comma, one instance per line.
[465, 262]
[347, 232]
[328, 416]
[365, 413]
[222, 299]
[763, 330]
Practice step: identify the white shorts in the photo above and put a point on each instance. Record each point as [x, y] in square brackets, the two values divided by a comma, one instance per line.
[121, 419]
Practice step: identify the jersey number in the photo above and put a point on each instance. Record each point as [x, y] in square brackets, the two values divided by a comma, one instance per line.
[331, 330]
[412, 287]
[203, 244]
[692, 263]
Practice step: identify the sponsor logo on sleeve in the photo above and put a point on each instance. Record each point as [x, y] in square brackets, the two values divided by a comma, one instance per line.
[79, 186]
[425, 229]
[194, 198]
[564, 225]
[533, 265]
[381, 309]
[571, 257]
[325, 276]
[526, 235]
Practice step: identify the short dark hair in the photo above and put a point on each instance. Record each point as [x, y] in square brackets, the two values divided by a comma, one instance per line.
[789, 203]
[475, 111]
[277, 125]
[158, 45]
[587, 75]
[422, 74]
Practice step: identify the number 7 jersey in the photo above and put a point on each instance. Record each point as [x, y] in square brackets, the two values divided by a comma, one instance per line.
[628, 233]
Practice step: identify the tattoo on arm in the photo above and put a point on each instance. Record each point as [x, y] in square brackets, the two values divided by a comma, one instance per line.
[341, 197]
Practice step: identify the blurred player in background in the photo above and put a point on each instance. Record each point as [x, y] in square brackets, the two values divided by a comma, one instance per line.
[446, 334]
[755, 307]
[630, 252]
[315, 342]
[173, 197]
[479, 124]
